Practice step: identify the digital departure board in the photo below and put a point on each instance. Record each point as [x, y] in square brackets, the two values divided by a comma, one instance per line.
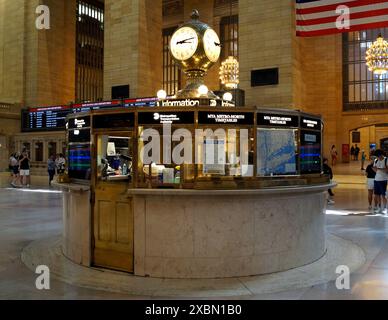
[44, 119]
[86, 107]
[54, 118]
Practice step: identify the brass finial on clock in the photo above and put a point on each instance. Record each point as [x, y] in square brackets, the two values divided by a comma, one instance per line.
[195, 47]
[195, 14]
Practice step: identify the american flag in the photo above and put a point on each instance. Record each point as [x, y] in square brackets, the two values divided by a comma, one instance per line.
[323, 17]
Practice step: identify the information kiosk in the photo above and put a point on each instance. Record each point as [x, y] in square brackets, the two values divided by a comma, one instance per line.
[193, 187]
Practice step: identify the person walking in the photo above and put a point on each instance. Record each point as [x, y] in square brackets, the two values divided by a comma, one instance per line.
[380, 184]
[356, 152]
[370, 182]
[24, 167]
[334, 155]
[327, 171]
[352, 153]
[51, 166]
[363, 158]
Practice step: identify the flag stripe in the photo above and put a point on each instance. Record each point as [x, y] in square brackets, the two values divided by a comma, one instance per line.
[332, 25]
[333, 7]
[332, 13]
[353, 17]
[309, 4]
[320, 17]
[335, 30]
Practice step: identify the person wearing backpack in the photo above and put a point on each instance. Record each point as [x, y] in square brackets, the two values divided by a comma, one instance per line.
[380, 184]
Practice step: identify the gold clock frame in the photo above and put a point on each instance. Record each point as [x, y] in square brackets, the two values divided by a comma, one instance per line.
[196, 67]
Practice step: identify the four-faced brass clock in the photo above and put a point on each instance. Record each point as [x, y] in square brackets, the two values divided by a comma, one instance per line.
[195, 47]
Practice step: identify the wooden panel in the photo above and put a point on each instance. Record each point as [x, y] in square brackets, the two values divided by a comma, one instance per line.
[124, 220]
[113, 228]
[104, 212]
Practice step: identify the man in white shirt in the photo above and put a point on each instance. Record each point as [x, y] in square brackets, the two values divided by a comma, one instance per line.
[380, 185]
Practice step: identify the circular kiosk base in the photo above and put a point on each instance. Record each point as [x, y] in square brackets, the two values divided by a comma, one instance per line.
[48, 252]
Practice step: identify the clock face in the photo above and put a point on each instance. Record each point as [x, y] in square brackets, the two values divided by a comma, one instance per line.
[212, 45]
[184, 43]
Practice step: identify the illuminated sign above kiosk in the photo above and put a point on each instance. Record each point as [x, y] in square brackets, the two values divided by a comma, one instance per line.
[242, 118]
[79, 123]
[195, 103]
[277, 120]
[310, 123]
[165, 118]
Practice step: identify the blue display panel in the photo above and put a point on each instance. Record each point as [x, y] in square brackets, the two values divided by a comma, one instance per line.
[79, 166]
[310, 152]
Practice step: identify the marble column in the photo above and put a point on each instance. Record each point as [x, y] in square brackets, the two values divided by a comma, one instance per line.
[133, 46]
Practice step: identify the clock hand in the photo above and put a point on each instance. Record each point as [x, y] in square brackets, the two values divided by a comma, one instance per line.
[184, 41]
[217, 44]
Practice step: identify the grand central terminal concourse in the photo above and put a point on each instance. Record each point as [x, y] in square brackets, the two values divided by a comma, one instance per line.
[214, 150]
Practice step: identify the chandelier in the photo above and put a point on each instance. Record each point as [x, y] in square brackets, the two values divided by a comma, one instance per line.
[377, 56]
[229, 73]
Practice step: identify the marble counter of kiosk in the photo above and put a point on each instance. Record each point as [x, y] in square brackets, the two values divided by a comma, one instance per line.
[76, 239]
[211, 233]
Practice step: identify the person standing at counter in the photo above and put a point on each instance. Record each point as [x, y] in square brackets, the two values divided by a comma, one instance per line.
[380, 184]
[370, 182]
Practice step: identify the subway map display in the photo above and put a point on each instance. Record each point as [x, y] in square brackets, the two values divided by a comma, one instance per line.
[276, 152]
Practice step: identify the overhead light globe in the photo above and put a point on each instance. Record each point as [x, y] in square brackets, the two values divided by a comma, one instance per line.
[203, 90]
[377, 56]
[227, 96]
[162, 94]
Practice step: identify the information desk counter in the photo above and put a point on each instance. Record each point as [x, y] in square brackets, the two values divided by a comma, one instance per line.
[257, 207]
[209, 233]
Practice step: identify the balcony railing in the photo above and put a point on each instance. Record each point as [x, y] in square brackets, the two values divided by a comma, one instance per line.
[366, 106]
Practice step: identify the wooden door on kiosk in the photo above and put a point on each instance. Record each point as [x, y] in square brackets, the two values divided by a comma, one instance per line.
[113, 210]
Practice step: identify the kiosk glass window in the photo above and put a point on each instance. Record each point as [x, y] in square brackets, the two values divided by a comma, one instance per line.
[276, 152]
[165, 160]
[114, 157]
[225, 152]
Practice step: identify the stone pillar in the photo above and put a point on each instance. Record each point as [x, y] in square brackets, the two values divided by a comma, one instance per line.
[45, 150]
[267, 35]
[37, 67]
[133, 46]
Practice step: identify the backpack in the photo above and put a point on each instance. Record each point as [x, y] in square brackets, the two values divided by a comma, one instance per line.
[375, 162]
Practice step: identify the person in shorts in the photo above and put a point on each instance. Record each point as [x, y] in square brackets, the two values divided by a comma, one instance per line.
[370, 182]
[380, 184]
[14, 166]
[24, 167]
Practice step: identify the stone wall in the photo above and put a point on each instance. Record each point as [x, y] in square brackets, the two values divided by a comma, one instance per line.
[37, 67]
[133, 46]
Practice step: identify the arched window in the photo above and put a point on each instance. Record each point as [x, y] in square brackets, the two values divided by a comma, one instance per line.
[361, 88]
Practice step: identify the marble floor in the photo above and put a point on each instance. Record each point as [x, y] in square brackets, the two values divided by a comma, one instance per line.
[35, 214]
